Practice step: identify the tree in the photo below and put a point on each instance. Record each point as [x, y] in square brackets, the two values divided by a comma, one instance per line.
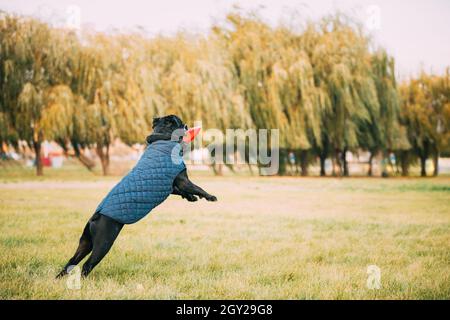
[31, 93]
[384, 133]
[341, 63]
[277, 83]
[320, 83]
[426, 113]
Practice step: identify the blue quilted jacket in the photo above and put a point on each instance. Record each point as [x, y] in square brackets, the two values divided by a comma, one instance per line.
[147, 185]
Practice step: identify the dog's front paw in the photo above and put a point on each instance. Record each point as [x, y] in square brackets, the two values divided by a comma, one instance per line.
[190, 197]
[211, 198]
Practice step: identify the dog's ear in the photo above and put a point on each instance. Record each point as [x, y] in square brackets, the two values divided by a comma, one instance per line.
[176, 120]
[155, 121]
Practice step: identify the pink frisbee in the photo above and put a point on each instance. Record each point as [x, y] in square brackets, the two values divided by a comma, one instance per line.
[190, 134]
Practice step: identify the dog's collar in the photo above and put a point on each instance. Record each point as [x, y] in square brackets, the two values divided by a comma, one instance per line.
[158, 136]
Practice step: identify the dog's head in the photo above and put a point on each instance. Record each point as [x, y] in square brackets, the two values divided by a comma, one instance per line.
[167, 128]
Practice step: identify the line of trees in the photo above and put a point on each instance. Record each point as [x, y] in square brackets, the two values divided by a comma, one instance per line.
[326, 88]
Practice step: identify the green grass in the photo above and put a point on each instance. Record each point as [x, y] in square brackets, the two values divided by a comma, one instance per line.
[281, 238]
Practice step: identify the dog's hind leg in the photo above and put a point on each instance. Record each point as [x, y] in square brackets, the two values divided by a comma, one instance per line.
[84, 247]
[104, 232]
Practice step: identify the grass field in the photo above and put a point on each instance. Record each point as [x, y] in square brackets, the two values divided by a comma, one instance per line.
[281, 238]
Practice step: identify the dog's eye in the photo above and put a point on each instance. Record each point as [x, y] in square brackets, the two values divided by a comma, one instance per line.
[185, 127]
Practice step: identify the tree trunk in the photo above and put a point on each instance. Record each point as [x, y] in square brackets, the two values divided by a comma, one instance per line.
[384, 164]
[345, 163]
[283, 162]
[436, 163]
[231, 167]
[103, 154]
[424, 154]
[87, 162]
[322, 165]
[79, 153]
[37, 144]
[250, 169]
[370, 172]
[217, 169]
[294, 165]
[304, 162]
[405, 163]
[423, 170]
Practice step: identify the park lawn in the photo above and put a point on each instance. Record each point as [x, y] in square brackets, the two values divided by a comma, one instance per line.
[266, 238]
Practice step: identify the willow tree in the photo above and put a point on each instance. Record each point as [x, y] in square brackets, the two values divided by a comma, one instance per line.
[300, 101]
[277, 83]
[31, 90]
[220, 101]
[132, 115]
[322, 86]
[341, 59]
[441, 116]
[9, 86]
[109, 100]
[384, 133]
[147, 63]
[426, 113]
[8, 135]
[196, 82]
[10, 80]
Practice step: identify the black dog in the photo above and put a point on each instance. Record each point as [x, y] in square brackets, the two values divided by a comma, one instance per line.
[101, 230]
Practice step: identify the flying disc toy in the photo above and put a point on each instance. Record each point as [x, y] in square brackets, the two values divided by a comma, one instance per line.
[190, 134]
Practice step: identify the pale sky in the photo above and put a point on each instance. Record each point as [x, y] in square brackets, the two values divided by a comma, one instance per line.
[415, 32]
